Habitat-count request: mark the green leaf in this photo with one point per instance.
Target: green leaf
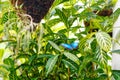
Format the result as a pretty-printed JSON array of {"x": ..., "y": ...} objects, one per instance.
[
  {"x": 63, "y": 17},
  {"x": 113, "y": 2},
  {"x": 48, "y": 28},
  {"x": 57, "y": 2},
  {"x": 34, "y": 78},
  {"x": 54, "y": 45},
  {"x": 9, "y": 61},
  {"x": 6, "y": 67},
  {"x": 116, "y": 51},
  {"x": 51, "y": 63},
  {"x": 23, "y": 55},
  {"x": 83, "y": 65},
  {"x": 7, "y": 16},
  {"x": 44, "y": 56},
  {"x": 1, "y": 54},
  {"x": 68, "y": 63},
  {"x": 72, "y": 57},
  {"x": 83, "y": 42},
  {"x": 33, "y": 57},
  {"x": 104, "y": 40},
  {"x": 116, "y": 74},
  {"x": 13, "y": 75},
  {"x": 2, "y": 41},
  {"x": 115, "y": 15},
  {"x": 53, "y": 22},
  {"x": 4, "y": 73}
]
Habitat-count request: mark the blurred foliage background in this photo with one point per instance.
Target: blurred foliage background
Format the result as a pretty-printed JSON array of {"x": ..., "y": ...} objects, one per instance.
[{"x": 29, "y": 53}]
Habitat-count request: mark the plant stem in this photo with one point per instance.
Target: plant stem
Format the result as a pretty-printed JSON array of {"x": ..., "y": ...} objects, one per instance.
[{"x": 68, "y": 73}]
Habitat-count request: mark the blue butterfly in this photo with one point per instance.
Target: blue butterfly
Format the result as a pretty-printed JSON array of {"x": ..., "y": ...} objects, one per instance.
[{"x": 71, "y": 46}]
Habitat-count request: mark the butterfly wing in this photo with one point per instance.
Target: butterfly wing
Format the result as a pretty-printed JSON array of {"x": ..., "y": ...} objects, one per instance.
[
  {"x": 67, "y": 46},
  {"x": 74, "y": 45}
]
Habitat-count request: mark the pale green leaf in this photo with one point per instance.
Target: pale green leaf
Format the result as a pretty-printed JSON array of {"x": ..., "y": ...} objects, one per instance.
[
  {"x": 53, "y": 22},
  {"x": 83, "y": 41},
  {"x": 51, "y": 63},
  {"x": 104, "y": 40},
  {"x": 116, "y": 51},
  {"x": 56, "y": 2},
  {"x": 72, "y": 57},
  {"x": 54, "y": 45}
]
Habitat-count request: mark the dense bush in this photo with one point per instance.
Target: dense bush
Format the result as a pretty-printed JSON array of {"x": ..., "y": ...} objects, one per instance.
[{"x": 48, "y": 52}]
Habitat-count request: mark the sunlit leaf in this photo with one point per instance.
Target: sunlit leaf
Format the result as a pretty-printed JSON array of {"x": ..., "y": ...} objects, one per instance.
[
  {"x": 103, "y": 40},
  {"x": 1, "y": 54},
  {"x": 53, "y": 22},
  {"x": 62, "y": 17},
  {"x": 57, "y": 2},
  {"x": 83, "y": 41}
]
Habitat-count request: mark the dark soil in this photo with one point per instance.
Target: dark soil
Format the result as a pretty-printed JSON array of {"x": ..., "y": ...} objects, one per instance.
[
  {"x": 104, "y": 12},
  {"x": 37, "y": 9}
]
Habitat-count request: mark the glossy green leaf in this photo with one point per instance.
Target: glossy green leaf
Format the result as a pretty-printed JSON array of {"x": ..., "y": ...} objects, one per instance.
[
  {"x": 72, "y": 57},
  {"x": 51, "y": 63},
  {"x": 116, "y": 74},
  {"x": 69, "y": 64},
  {"x": 44, "y": 56}
]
